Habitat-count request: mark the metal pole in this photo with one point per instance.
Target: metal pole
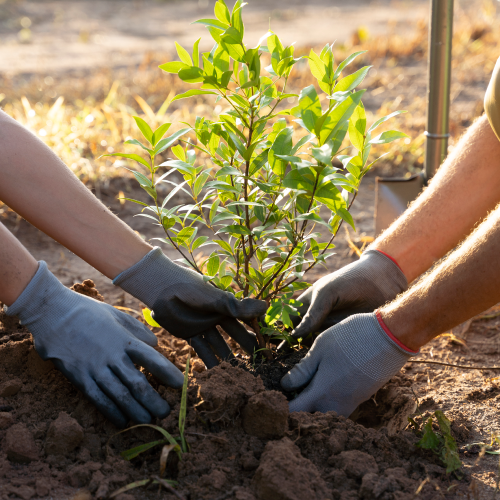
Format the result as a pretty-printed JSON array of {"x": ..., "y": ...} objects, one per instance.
[{"x": 438, "y": 104}]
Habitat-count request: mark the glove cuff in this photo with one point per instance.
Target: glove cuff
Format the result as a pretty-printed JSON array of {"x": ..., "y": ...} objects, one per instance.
[
  {"x": 42, "y": 292},
  {"x": 372, "y": 350},
  {"x": 391, "y": 335},
  {"x": 142, "y": 280},
  {"x": 386, "y": 273}
]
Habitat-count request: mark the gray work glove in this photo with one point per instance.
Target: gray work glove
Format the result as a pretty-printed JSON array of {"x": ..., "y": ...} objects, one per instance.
[
  {"x": 95, "y": 346},
  {"x": 360, "y": 287},
  {"x": 346, "y": 365},
  {"x": 190, "y": 308}
]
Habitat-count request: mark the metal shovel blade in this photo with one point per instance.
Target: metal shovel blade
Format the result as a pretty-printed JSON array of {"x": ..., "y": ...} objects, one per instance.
[{"x": 392, "y": 197}]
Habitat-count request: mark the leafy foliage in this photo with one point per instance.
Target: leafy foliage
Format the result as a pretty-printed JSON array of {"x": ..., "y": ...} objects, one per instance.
[
  {"x": 270, "y": 168},
  {"x": 442, "y": 443}
]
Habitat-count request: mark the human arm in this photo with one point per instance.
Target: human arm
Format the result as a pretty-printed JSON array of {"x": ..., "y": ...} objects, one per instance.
[
  {"x": 465, "y": 189},
  {"x": 93, "y": 344},
  {"x": 37, "y": 185},
  {"x": 350, "y": 361}
]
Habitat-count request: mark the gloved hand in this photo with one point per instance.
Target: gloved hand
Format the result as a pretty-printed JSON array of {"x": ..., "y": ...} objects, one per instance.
[
  {"x": 360, "y": 287},
  {"x": 95, "y": 346},
  {"x": 190, "y": 308},
  {"x": 346, "y": 365}
]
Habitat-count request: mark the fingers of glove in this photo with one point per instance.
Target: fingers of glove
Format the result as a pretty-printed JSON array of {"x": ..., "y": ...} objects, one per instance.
[
  {"x": 137, "y": 329},
  {"x": 307, "y": 400},
  {"x": 221, "y": 302},
  {"x": 218, "y": 343},
  {"x": 204, "y": 351},
  {"x": 141, "y": 390},
  {"x": 247, "y": 340},
  {"x": 94, "y": 394},
  {"x": 157, "y": 364},
  {"x": 302, "y": 373},
  {"x": 112, "y": 386},
  {"x": 313, "y": 319}
]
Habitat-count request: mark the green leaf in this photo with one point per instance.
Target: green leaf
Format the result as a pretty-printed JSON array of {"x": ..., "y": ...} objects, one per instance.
[
  {"x": 339, "y": 115},
  {"x": 430, "y": 440},
  {"x": 173, "y": 67},
  {"x": 303, "y": 179},
  {"x": 324, "y": 153},
  {"x": 135, "y": 201},
  {"x": 182, "y": 166},
  {"x": 179, "y": 152},
  {"x": 191, "y": 75},
  {"x": 198, "y": 242},
  {"x": 385, "y": 118},
  {"x": 137, "y": 158},
  {"x": 348, "y": 60},
  {"x": 135, "y": 142},
  {"x": 222, "y": 12},
  {"x": 346, "y": 216},
  {"x": 160, "y": 132},
  {"x": 310, "y": 107},
  {"x": 282, "y": 145},
  {"x": 330, "y": 196},
  {"x": 213, "y": 264},
  {"x": 166, "y": 143},
  {"x": 183, "y": 54},
  {"x": 352, "y": 81},
  {"x": 236, "y": 19},
  {"x": 317, "y": 66},
  {"x": 386, "y": 137},
  {"x": 193, "y": 92},
  {"x": 214, "y": 23},
  {"x": 224, "y": 245},
  {"x": 144, "y": 128},
  {"x": 134, "y": 452},
  {"x": 234, "y": 229},
  {"x": 184, "y": 235},
  {"x": 449, "y": 453},
  {"x": 149, "y": 319},
  {"x": 196, "y": 53},
  {"x": 235, "y": 50},
  {"x": 357, "y": 127}
]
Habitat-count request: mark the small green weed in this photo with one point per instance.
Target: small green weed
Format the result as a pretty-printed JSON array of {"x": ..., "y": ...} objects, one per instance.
[
  {"x": 442, "y": 443},
  {"x": 177, "y": 444}
]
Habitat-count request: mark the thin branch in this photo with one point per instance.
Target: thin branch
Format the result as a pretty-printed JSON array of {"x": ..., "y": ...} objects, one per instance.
[{"x": 461, "y": 367}]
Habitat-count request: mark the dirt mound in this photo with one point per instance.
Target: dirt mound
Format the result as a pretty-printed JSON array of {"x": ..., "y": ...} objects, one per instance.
[{"x": 244, "y": 444}]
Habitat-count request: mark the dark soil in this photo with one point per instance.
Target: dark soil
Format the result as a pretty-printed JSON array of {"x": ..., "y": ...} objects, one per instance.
[{"x": 244, "y": 444}]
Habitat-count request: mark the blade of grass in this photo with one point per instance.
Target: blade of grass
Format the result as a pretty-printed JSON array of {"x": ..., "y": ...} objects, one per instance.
[
  {"x": 134, "y": 452},
  {"x": 183, "y": 410}
]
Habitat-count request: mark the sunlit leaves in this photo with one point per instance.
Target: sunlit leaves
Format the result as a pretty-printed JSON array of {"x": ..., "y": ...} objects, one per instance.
[{"x": 246, "y": 183}]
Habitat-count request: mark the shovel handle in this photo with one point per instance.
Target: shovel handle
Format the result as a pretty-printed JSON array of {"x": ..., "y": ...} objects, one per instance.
[{"x": 438, "y": 102}]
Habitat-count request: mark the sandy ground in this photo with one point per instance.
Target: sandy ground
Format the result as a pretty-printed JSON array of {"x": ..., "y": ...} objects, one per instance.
[{"x": 50, "y": 36}]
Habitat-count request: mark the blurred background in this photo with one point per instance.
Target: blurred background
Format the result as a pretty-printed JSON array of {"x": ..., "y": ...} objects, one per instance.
[{"x": 73, "y": 71}]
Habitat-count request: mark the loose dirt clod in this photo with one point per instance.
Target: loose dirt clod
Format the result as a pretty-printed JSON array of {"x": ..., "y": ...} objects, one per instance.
[
  {"x": 10, "y": 387},
  {"x": 6, "y": 420},
  {"x": 20, "y": 445},
  {"x": 284, "y": 474},
  {"x": 224, "y": 392},
  {"x": 63, "y": 436},
  {"x": 266, "y": 415},
  {"x": 87, "y": 287}
]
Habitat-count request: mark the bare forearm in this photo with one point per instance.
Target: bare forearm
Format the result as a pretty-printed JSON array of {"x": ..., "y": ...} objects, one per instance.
[
  {"x": 37, "y": 185},
  {"x": 465, "y": 284},
  {"x": 17, "y": 267},
  {"x": 465, "y": 189}
]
